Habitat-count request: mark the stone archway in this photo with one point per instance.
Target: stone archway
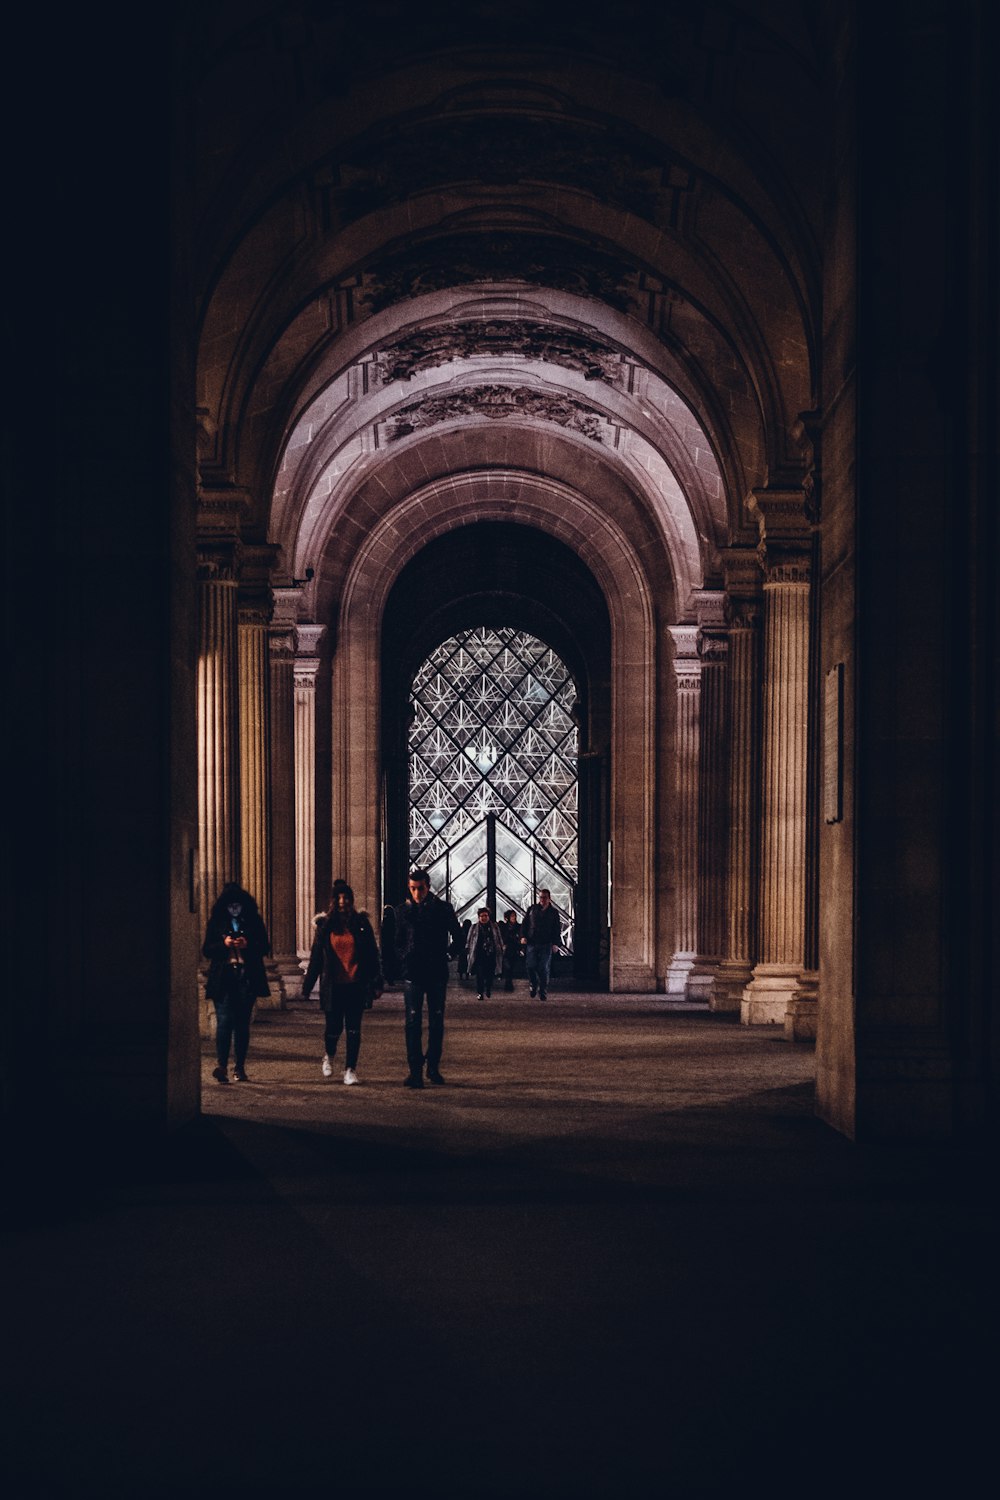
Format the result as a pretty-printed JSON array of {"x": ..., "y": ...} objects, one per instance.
[{"x": 423, "y": 515}]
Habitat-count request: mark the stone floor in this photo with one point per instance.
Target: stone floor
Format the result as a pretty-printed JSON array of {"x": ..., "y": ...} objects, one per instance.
[{"x": 617, "y": 1255}]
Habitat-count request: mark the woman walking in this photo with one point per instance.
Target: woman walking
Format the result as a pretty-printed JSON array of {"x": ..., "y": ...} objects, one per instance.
[
  {"x": 484, "y": 952},
  {"x": 345, "y": 959},
  {"x": 236, "y": 944}
]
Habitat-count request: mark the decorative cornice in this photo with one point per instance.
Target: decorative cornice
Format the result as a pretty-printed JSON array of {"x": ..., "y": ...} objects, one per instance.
[
  {"x": 710, "y": 608},
  {"x": 222, "y": 511},
  {"x": 788, "y": 570},
  {"x": 742, "y": 573}
]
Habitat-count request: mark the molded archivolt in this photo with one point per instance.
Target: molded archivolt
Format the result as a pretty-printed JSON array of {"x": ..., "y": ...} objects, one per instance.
[
  {"x": 606, "y": 549},
  {"x": 643, "y": 207}
]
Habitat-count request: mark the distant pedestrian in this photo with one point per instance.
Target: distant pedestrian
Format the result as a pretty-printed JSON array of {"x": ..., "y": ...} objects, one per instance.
[
  {"x": 236, "y": 944},
  {"x": 484, "y": 951},
  {"x": 427, "y": 933},
  {"x": 345, "y": 960},
  {"x": 510, "y": 931},
  {"x": 463, "y": 952},
  {"x": 540, "y": 934}
]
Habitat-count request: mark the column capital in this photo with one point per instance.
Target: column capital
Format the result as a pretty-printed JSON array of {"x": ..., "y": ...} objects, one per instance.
[
  {"x": 712, "y": 639},
  {"x": 307, "y": 638},
  {"x": 281, "y": 640},
  {"x": 786, "y": 534},
  {"x": 219, "y": 559},
  {"x": 744, "y": 614},
  {"x": 686, "y": 661}
]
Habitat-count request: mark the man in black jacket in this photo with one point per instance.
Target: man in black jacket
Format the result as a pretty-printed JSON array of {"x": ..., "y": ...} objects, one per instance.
[
  {"x": 541, "y": 933},
  {"x": 427, "y": 932}
]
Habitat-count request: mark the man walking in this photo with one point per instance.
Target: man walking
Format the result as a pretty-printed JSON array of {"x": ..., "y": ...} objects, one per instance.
[
  {"x": 427, "y": 930},
  {"x": 541, "y": 933}
]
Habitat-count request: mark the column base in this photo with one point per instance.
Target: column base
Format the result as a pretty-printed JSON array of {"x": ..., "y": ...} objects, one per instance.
[
  {"x": 800, "y": 1017},
  {"x": 678, "y": 974},
  {"x": 635, "y": 979},
  {"x": 285, "y": 974},
  {"x": 701, "y": 980},
  {"x": 731, "y": 979},
  {"x": 768, "y": 995}
]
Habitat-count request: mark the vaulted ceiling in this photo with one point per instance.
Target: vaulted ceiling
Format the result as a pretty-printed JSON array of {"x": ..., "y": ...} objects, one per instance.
[{"x": 582, "y": 246}]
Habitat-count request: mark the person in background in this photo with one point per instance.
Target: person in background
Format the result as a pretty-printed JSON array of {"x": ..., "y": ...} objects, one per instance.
[
  {"x": 387, "y": 946},
  {"x": 236, "y": 944},
  {"x": 463, "y": 954},
  {"x": 345, "y": 960},
  {"x": 510, "y": 931},
  {"x": 427, "y": 933},
  {"x": 540, "y": 934},
  {"x": 484, "y": 952}
]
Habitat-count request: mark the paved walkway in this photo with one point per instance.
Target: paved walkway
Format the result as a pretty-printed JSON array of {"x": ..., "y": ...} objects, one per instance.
[{"x": 616, "y": 1256}]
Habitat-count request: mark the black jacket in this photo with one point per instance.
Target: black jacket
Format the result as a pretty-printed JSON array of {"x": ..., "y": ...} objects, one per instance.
[
  {"x": 220, "y": 925},
  {"x": 324, "y": 967},
  {"x": 426, "y": 936},
  {"x": 541, "y": 925}
]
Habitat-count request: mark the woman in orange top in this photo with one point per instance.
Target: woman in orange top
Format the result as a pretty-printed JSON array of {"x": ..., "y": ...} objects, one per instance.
[{"x": 345, "y": 960}]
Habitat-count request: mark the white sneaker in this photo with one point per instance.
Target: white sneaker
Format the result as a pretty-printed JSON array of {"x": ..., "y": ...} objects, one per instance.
[
  {"x": 327, "y": 1067},
  {"x": 350, "y": 1076}
]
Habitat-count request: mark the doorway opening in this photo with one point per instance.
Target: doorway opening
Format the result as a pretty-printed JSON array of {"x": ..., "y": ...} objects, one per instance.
[{"x": 493, "y": 787}]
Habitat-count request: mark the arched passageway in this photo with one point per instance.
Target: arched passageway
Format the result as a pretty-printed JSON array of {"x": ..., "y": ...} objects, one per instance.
[{"x": 638, "y": 287}]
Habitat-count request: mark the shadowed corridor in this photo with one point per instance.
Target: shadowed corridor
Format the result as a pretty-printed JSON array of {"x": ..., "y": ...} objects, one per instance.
[{"x": 616, "y": 1254}]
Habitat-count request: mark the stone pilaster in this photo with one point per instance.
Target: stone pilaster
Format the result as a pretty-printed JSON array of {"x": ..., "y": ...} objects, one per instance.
[
  {"x": 306, "y": 667},
  {"x": 687, "y": 674},
  {"x": 786, "y": 554},
  {"x": 254, "y": 608},
  {"x": 713, "y": 758},
  {"x": 744, "y": 610},
  {"x": 285, "y": 963},
  {"x": 218, "y": 760}
]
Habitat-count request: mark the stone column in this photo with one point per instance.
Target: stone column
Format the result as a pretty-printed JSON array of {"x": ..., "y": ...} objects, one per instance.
[
  {"x": 306, "y": 666},
  {"x": 712, "y": 792},
  {"x": 285, "y": 962},
  {"x": 744, "y": 611},
  {"x": 255, "y": 748},
  {"x": 218, "y": 763},
  {"x": 687, "y": 673},
  {"x": 778, "y": 972}
]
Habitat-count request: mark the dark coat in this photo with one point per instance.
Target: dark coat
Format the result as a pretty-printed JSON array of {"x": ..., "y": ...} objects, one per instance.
[
  {"x": 541, "y": 925},
  {"x": 426, "y": 935},
  {"x": 220, "y": 925},
  {"x": 324, "y": 967}
]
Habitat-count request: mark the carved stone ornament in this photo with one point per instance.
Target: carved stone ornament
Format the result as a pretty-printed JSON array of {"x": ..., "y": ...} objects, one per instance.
[
  {"x": 431, "y": 347},
  {"x": 787, "y": 571},
  {"x": 498, "y": 402},
  {"x": 282, "y": 644},
  {"x": 744, "y": 614},
  {"x": 219, "y": 562},
  {"x": 435, "y": 264},
  {"x": 713, "y": 647}
]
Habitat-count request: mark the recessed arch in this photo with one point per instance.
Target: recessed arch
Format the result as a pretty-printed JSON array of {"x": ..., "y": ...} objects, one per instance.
[{"x": 607, "y": 551}]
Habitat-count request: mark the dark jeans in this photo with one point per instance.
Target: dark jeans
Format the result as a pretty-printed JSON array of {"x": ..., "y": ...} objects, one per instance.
[
  {"x": 415, "y": 991},
  {"x": 483, "y": 971},
  {"x": 347, "y": 1002},
  {"x": 232, "y": 1027},
  {"x": 538, "y": 962}
]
